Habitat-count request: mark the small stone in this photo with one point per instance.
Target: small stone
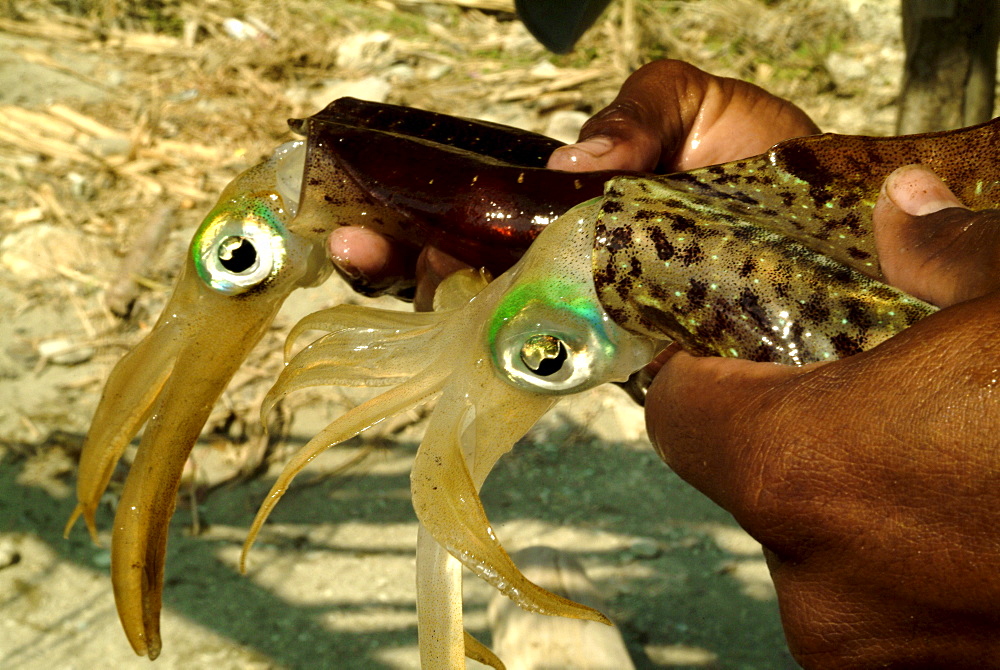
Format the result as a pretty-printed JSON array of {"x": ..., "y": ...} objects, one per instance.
[
  {"x": 673, "y": 655},
  {"x": 241, "y": 30},
  {"x": 565, "y": 125},
  {"x": 518, "y": 41},
  {"x": 368, "y": 50},
  {"x": 763, "y": 73},
  {"x": 101, "y": 559},
  {"x": 64, "y": 352},
  {"x": 25, "y": 216},
  {"x": 544, "y": 70},
  {"x": 401, "y": 73},
  {"x": 437, "y": 71},
  {"x": 109, "y": 146},
  {"x": 80, "y": 186},
  {"x": 846, "y": 70},
  {"x": 510, "y": 115},
  {"x": 116, "y": 78},
  {"x": 372, "y": 89},
  {"x": 9, "y": 555}
]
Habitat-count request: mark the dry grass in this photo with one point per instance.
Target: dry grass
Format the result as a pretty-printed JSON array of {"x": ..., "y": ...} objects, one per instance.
[{"x": 187, "y": 105}]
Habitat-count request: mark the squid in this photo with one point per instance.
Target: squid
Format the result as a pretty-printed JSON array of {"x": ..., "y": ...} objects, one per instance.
[{"x": 768, "y": 258}]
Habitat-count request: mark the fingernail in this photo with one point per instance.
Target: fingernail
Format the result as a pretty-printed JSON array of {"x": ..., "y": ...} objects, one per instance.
[
  {"x": 596, "y": 146},
  {"x": 571, "y": 156},
  {"x": 338, "y": 247},
  {"x": 918, "y": 191}
]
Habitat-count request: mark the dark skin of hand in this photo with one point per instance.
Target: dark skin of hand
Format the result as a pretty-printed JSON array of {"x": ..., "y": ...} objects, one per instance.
[{"x": 872, "y": 482}]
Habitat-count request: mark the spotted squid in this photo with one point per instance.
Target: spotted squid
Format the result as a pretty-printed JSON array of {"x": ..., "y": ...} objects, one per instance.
[{"x": 769, "y": 258}]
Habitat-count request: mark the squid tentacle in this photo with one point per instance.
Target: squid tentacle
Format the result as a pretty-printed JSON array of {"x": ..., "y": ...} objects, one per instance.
[
  {"x": 356, "y": 317},
  {"x": 355, "y": 357},
  {"x": 447, "y": 503},
  {"x": 420, "y": 389},
  {"x": 114, "y": 436},
  {"x": 480, "y": 415}
]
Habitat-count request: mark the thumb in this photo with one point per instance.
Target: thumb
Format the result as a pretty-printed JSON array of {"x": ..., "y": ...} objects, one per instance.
[
  {"x": 930, "y": 245},
  {"x": 616, "y": 138},
  {"x": 647, "y": 125}
]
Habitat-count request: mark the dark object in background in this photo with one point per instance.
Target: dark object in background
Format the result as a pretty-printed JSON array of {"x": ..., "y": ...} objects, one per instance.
[
  {"x": 558, "y": 24},
  {"x": 951, "y": 64}
]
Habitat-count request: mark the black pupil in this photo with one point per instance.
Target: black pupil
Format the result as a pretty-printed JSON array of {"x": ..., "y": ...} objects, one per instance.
[
  {"x": 550, "y": 366},
  {"x": 237, "y": 254}
]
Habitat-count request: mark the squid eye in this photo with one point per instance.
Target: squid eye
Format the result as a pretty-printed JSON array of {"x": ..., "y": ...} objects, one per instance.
[
  {"x": 547, "y": 350},
  {"x": 544, "y": 354},
  {"x": 236, "y": 254}
]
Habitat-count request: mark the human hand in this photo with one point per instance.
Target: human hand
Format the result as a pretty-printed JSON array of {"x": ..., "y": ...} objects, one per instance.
[
  {"x": 872, "y": 482},
  {"x": 671, "y": 116},
  {"x": 668, "y": 116},
  {"x": 363, "y": 253}
]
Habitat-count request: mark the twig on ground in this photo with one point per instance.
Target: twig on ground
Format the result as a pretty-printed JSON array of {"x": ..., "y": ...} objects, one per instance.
[{"x": 121, "y": 295}]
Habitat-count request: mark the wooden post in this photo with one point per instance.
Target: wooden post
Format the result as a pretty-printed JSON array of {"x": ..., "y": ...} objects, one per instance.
[{"x": 950, "y": 71}]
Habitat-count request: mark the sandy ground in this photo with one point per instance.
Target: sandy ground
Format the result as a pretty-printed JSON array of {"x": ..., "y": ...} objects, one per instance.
[{"x": 331, "y": 578}]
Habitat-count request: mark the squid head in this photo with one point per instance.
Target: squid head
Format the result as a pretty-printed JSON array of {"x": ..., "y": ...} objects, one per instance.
[
  {"x": 241, "y": 265},
  {"x": 497, "y": 363}
]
